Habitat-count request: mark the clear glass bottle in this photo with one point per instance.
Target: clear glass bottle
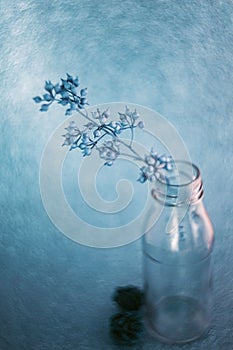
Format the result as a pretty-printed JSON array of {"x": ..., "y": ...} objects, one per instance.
[{"x": 177, "y": 258}]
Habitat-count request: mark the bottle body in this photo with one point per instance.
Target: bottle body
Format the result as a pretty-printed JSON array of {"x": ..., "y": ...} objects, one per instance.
[{"x": 177, "y": 270}]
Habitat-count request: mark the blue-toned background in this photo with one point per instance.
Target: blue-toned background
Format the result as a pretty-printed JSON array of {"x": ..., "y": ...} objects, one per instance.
[{"x": 173, "y": 56}]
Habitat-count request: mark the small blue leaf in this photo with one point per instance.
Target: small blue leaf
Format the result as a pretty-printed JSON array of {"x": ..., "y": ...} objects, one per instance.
[
  {"x": 89, "y": 125},
  {"x": 37, "y": 99},
  {"x": 140, "y": 125},
  {"x": 83, "y": 92},
  {"x": 118, "y": 131},
  {"x": 68, "y": 111},
  {"x": 76, "y": 99},
  {"x": 57, "y": 88},
  {"x": 86, "y": 152},
  {"x": 48, "y": 86},
  {"x": 73, "y": 90},
  {"x": 63, "y": 102},
  {"x": 124, "y": 123},
  {"x": 72, "y": 106},
  {"x": 96, "y": 133},
  {"x": 64, "y": 94},
  {"x": 82, "y": 146},
  {"x": 44, "y": 108},
  {"x": 142, "y": 178},
  {"x": 73, "y": 146},
  {"x": 83, "y": 101},
  {"x": 76, "y": 82},
  {"x": 69, "y": 78},
  {"x": 47, "y": 97},
  {"x": 66, "y": 84},
  {"x": 108, "y": 163}
]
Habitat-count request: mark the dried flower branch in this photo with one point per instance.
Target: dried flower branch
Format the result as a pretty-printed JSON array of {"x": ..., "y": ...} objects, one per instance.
[{"x": 101, "y": 133}]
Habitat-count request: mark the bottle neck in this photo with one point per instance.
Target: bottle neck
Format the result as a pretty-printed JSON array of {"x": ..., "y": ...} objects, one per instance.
[{"x": 180, "y": 186}]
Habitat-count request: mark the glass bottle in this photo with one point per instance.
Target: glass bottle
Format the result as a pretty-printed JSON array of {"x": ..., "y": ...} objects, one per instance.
[{"x": 177, "y": 258}]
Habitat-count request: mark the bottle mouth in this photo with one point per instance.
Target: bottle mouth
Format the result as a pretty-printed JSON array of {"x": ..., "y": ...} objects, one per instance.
[{"x": 179, "y": 186}]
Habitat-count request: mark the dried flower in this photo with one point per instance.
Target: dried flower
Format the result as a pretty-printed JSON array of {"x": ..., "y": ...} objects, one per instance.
[
  {"x": 100, "y": 132},
  {"x": 126, "y": 328},
  {"x": 129, "y": 298}
]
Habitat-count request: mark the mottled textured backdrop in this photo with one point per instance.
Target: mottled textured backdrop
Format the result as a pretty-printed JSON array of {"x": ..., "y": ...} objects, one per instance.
[{"x": 173, "y": 56}]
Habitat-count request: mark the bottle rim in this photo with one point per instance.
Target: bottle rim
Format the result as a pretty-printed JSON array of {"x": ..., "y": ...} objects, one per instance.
[
  {"x": 177, "y": 194},
  {"x": 195, "y": 177}
]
